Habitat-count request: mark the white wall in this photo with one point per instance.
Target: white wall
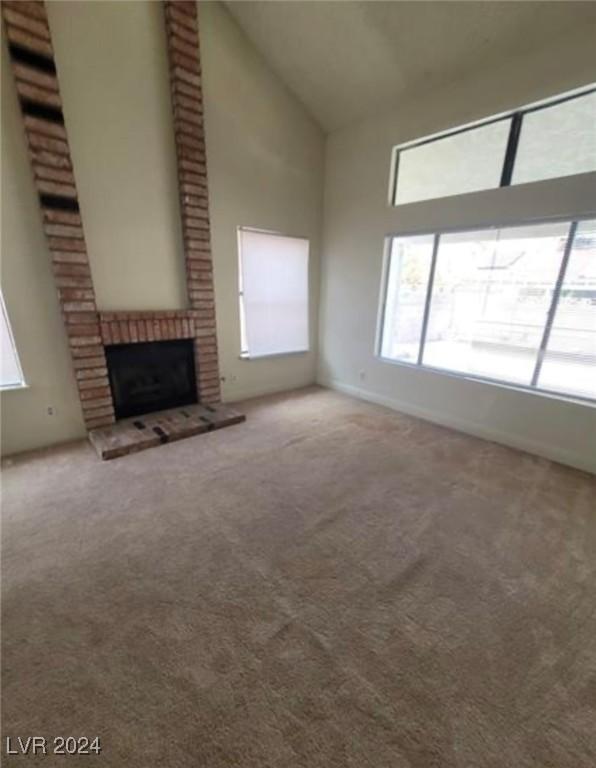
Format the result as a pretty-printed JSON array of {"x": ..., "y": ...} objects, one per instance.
[
  {"x": 357, "y": 218},
  {"x": 114, "y": 81},
  {"x": 265, "y": 160}
]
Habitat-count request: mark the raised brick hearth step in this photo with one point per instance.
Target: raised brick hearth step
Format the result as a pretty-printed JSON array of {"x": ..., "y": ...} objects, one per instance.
[{"x": 140, "y": 432}]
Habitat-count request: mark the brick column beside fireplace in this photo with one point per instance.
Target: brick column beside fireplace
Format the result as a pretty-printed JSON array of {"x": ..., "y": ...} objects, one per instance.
[
  {"x": 32, "y": 56},
  {"x": 187, "y": 105},
  {"x": 88, "y": 330}
]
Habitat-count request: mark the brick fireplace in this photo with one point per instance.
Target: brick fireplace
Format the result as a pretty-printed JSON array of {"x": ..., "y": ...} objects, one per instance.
[{"x": 90, "y": 330}]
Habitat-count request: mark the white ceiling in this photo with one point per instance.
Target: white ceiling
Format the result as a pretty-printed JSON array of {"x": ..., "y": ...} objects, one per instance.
[{"x": 347, "y": 60}]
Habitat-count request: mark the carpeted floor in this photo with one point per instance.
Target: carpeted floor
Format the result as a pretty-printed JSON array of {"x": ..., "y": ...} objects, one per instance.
[{"x": 329, "y": 585}]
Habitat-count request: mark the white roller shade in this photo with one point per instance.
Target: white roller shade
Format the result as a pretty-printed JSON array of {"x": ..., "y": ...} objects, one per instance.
[{"x": 273, "y": 293}]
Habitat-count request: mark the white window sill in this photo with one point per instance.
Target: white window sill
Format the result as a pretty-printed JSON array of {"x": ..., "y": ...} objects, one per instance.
[
  {"x": 13, "y": 387},
  {"x": 548, "y": 393},
  {"x": 247, "y": 356}
]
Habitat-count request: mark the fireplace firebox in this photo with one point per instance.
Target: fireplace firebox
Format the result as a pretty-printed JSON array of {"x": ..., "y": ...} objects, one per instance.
[{"x": 151, "y": 376}]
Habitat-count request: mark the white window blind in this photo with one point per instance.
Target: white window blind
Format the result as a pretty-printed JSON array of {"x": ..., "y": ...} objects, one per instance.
[
  {"x": 10, "y": 368},
  {"x": 273, "y": 293}
]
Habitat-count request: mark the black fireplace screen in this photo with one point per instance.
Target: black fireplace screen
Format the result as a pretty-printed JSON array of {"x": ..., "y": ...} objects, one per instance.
[{"x": 151, "y": 376}]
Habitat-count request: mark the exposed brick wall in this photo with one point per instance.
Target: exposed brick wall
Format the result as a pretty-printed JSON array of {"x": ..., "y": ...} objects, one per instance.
[
  {"x": 187, "y": 105},
  {"x": 32, "y": 56},
  {"x": 88, "y": 330}
]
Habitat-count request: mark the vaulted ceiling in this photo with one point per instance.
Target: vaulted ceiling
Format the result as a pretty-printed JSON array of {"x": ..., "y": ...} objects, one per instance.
[{"x": 347, "y": 60}]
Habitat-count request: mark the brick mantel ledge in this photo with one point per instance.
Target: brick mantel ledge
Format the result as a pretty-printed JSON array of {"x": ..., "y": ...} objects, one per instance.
[
  {"x": 168, "y": 325},
  {"x": 158, "y": 325}
]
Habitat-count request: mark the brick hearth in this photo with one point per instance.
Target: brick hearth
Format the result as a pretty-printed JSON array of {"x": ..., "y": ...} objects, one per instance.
[{"x": 140, "y": 432}]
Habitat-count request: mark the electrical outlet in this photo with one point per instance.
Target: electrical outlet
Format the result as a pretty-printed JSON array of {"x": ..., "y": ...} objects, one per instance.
[
  {"x": 362, "y": 374},
  {"x": 50, "y": 410}
]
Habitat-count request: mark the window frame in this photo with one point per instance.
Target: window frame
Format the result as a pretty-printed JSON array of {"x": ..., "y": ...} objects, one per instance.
[
  {"x": 515, "y": 116},
  {"x": 21, "y": 384},
  {"x": 532, "y": 388},
  {"x": 244, "y": 351}
]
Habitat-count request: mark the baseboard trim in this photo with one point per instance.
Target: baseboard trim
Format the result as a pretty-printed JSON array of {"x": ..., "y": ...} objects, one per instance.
[
  {"x": 248, "y": 393},
  {"x": 519, "y": 442}
]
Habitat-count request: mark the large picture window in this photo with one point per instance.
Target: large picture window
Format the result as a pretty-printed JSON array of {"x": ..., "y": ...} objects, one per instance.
[
  {"x": 515, "y": 305},
  {"x": 543, "y": 141},
  {"x": 273, "y": 293}
]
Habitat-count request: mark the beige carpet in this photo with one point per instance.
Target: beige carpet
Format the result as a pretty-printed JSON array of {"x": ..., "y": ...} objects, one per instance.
[{"x": 329, "y": 585}]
